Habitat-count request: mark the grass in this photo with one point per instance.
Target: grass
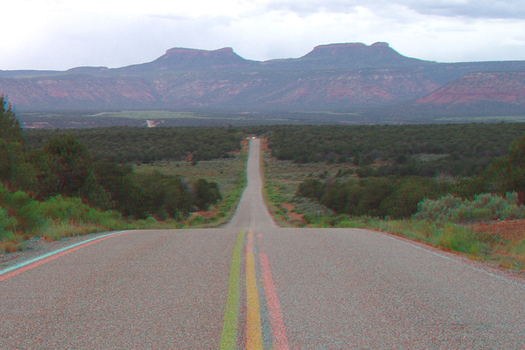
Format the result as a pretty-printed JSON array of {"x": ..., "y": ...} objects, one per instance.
[
  {"x": 65, "y": 229},
  {"x": 484, "y": 119},
  {"x": 159, "y": 115},
  {"x": 330, "y": 113},
  {"x": 229, "y": 174},
  {"x": 56, "y": 230},
  {"x": 147, "y": 115},
  {"x": 281, "y": 179},
  {"x": 12, "y": 242},
  {"x": 427, "y": 157},
  {"x": 274, "y": 197},
  {"x": 236, "y": 119},
  {"x": 163, "y": 117},
  {"x": 222, "y": 171}
]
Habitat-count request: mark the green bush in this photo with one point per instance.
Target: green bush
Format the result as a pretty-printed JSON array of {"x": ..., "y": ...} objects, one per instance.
[
  {"x": 205, "y": 194},
  {"x": 7, "y": 223},
  {"x": 374, "y": 196},
  {"x": 22, "y": 208},
  {"x": 483, "y": 207},
  {"x": 65, "y": 209},
  {"x": 62, "y": 209},
  {"x": 198, "y": 220},
  {"x": 158, "y": 195}
]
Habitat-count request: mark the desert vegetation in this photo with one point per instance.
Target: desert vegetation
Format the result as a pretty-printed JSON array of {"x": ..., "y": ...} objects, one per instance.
[
  {"x": 53, "y": 185},
  {"x": 415, "y": 181},
  {"x": 442, "y": 184},
  {"x": 147, "y": 145},
  {"x": 401, "y": 150},
  {"x": 229, "y": 173}
]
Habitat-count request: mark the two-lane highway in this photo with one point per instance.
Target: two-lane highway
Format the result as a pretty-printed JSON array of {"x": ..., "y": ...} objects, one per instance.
[{"x": 253, "y": 285}]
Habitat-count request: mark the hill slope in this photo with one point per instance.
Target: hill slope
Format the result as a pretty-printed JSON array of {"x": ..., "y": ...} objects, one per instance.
[{"x": 335, "y": 77}]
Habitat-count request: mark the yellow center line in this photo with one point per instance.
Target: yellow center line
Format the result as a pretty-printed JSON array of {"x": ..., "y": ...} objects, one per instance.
[
  {"x": 253, "y": 314},
  {"x": 231, "y": 315}
]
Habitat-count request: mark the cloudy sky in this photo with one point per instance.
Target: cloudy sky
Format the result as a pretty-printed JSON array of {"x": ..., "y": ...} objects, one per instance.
[{"x": 61, "y": 34}]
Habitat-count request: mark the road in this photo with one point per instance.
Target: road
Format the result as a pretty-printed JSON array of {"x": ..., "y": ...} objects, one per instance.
[{"x": 254, "y": 285}]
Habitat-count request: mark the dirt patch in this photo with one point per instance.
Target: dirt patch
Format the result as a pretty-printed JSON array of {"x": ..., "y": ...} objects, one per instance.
[
  {"x": 264, "y": 144},
  {"x": 206, "y": 214},
  {"x": 244, "y": 144},
  {"x": 292, "y": 215},
  {"x": 513, "y": 230}
]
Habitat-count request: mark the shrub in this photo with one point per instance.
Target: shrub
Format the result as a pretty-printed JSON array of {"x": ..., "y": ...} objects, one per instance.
[
  {"x": 7, "y": 223},
  {"x": 159, "y": 195},
  {"x": 65, "y": 209},
  {"x": 57, "y": 230},
  {"x": 22, "y": 208},
  {"x": 483, "y": 207},
  {"x": 374, "y": 196},
  {"x": 205, "y": 194},
  {"x": 196, "y": 220},
  {"x": 408, "y": 193}
]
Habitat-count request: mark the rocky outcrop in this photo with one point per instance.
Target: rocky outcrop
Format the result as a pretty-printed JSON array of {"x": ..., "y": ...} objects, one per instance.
[
  {"x": 504, "y": 87},
  {"x": 182, "y": 59},
  {"x": 70, "y": 92},
  {"x": 358, "y": 55}
]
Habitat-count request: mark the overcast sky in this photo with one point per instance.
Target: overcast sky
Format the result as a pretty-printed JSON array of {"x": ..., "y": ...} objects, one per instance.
[{"x": 62, "y": 34}]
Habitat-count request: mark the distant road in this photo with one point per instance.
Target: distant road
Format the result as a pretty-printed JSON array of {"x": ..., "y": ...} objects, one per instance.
[{"x": 253, "y": 285}]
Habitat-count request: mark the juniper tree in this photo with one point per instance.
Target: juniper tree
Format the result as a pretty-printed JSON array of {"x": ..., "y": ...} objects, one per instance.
[{"x": 10, "y": 129}]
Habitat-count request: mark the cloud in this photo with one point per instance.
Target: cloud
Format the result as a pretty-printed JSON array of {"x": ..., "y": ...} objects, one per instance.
[
  {"x": 495, "y": 9},
  {"x": 61, "y": 34},
  {"x": 492, "y": 9},
  {"x": 309, "y": 7}
]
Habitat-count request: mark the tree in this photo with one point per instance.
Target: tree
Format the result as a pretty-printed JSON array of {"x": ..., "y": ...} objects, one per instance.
[
  {"x": 72, "y": 164},
  {"x": 67, "y": 168},
  {"x": 15, "y": 170},
  {"x": 409, "y": 191},
  {"x": 376, "y": 189},
  {"x": 336, "y": 195},
  {"x": 205, "y": 194},
  {"x": 508, "y": 173},
  {"x": 10, "y": 129},
  {"x": 115, "y": 179}
]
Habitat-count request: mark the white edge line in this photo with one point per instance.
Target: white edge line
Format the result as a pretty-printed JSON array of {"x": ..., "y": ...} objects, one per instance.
[{"x": 28, "y": 262}]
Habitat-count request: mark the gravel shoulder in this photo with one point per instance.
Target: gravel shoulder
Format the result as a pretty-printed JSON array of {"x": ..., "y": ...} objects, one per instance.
[{"x": 38, "y": 246}]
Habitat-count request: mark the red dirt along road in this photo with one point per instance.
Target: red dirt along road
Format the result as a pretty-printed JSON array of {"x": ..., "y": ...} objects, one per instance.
[{"x": 253, "y": 285}]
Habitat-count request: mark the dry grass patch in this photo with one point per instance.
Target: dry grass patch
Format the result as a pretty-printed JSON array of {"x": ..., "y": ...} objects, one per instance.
[
  {"x": 12, "y": 247},
  {"x": 509, "y": 240},
  {"x": 228, "y": 173},
  {"x": 281, "y": 180}
]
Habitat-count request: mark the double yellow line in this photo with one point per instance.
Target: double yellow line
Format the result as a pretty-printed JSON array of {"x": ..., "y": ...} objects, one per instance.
[
  {"x": 253, "y": 316},
  {"x": 231, "y": 316}
]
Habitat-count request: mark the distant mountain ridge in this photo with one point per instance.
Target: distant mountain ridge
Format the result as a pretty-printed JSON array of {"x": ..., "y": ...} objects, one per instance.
[
  {"x": 358, "y": 55},
  {"x": 180, "y": 59},
  {"x": 333, "y": 77}
]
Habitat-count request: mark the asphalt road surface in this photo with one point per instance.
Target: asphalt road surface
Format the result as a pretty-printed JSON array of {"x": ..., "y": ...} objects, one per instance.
[{"x": 253, "y": 285}]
